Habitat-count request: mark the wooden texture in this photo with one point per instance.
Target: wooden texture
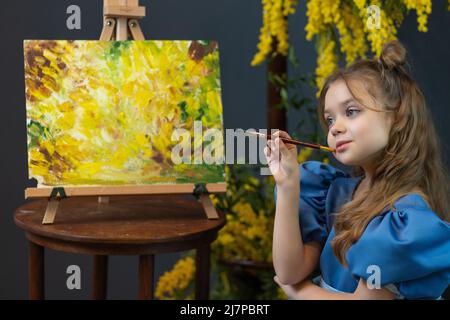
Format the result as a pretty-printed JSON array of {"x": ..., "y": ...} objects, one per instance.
[
  {"x": 100, "y": 277},
  {"x": 128, "y": 3},
  {"x": 146, "y": 271},
  {"x": 135, "y": 30},
  {"x": 36, "y": 271},
  {"x": 122, "y": 29},
  {"x": 202, "y": 274},
  {"x": 122, "y": 16},
  {"x": 208, "y": 206},
  {"x": 44, "y": 192},
  {"x": 127, "y": 225},
  {"x": 109, "y": 25},
  {"x": 122, "y": 11},
  {"x": 50, "y": 211}
]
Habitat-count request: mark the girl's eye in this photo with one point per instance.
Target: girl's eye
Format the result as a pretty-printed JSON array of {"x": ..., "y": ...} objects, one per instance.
[
  {"x": 351, "y": 112},
  {"x": 329, "y": 121}
]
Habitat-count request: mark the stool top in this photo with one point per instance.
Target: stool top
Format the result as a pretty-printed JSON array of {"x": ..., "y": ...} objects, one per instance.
[{"x": 156, "y": 219}]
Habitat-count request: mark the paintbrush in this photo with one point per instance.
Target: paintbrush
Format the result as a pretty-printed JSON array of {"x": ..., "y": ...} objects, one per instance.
[{"x": 292, "y": 141}]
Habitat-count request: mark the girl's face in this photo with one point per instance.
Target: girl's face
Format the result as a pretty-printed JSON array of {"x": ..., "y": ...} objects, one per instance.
[{"x": 365, "y": 131}]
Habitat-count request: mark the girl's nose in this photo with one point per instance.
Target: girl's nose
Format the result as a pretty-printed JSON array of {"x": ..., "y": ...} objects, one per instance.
[{"x": 338, "y": 127}]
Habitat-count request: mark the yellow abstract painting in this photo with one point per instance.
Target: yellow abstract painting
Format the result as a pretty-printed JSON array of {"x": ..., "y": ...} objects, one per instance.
[{"x": 105, "y": 112}]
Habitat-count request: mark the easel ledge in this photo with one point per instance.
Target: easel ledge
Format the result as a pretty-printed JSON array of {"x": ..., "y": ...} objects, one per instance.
[
  {"x": 186, "y": 188},
  {"x": 104, "y": 192}
]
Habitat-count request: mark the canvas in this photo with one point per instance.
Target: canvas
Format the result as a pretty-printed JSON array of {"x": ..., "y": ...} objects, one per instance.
[{"x": 104, "y": 112}]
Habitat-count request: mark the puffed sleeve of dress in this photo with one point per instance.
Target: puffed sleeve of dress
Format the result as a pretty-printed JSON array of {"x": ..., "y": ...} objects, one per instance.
[
  {"x": 410, "y": 247},
  {"x": 315, "y": 180}
]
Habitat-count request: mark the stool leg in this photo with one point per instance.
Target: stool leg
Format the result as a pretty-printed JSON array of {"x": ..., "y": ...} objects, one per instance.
[
  {"x": 36, "y": 271},
  {"x": 100, "y": 277},
  {"x": 202, "y": 263},
  {"x": 146, "y": 270}
]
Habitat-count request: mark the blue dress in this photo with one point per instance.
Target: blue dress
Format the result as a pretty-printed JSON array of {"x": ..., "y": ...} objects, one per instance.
[{"x": 411, "y": 245}]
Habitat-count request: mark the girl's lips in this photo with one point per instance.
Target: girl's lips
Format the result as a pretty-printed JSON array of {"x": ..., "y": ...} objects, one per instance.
[{"x": 342, "y": 147}]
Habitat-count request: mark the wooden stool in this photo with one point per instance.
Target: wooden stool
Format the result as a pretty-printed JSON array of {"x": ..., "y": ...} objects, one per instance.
[{"x": 127, "y": 225}]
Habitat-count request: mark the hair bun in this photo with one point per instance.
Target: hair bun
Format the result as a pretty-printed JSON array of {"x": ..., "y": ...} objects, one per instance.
[{"x": 393, "y": 54}]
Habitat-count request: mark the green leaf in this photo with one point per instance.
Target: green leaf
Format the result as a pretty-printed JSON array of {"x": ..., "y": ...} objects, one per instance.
[
  {"x": 184, "y": 115},
  {"x": 292, "y": 58},
  {"x": 284, "y": 94},
  {"x": 35, "y": 132}
]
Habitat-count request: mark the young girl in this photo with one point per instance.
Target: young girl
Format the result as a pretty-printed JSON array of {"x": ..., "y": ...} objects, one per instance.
[{"x": 380, "y": 232}]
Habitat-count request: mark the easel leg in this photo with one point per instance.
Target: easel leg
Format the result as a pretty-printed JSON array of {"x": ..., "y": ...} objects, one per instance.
[
  {"x": 108, "y": 28},
  {"x": 146, "y": 270},
  {"x": 208, "y": 206},
  {"x": 36, "y": 272},
  {"x": 100, "y": 278},
  {"x": 202, "y": 263},
  {"x": 50, "y": 212},
  {"x": 135, "y": 29},
  {"x": 122, "y": 29}
]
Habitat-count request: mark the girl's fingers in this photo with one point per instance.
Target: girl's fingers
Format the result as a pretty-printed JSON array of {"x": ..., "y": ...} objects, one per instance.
[
  {"x": 275, "y": 149},
  {"x": 278, "y": 148},
  {"x": 282, "y": 147},
  {"x": 290, "y": 146},
  {"x": 282, "y": 134},
  {"x": 270, "y": 146},
  {"x": 267, "y": 152}
]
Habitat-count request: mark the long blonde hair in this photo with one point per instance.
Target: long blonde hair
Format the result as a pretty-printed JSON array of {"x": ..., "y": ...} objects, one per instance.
[{"x": 410, "y": 163}]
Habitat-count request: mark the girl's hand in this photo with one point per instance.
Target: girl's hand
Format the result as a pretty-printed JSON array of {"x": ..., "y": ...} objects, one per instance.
[{"x": 282, "y": 160}]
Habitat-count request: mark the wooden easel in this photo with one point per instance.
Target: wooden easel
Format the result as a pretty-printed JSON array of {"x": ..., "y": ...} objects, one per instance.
[{"x": 120, "y": 19}]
